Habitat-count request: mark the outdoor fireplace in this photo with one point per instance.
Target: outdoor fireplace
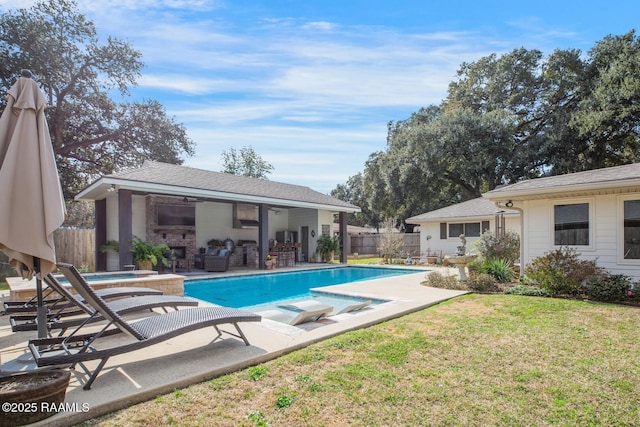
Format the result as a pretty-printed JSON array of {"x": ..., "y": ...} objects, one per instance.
[{"x": 180, "y": 251}]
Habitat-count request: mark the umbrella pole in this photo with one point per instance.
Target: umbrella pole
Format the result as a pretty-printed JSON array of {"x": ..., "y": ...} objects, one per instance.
[{"x": 42, "y": 310}]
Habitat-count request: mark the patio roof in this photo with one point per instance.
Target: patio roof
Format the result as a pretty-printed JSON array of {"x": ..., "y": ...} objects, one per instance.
[
  {"x": 170, "y": 179},
  {"x": 471, "y": 209}
]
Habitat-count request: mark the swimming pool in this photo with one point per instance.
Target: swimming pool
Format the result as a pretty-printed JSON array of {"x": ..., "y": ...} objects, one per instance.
[{"x": 255, "y": 289}]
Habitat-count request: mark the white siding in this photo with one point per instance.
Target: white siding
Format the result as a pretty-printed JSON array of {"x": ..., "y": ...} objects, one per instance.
[
  {"x": 215, "y": 221},
  {"x": 139, "y": 216},
  {"x": 537, "y": 229},
  {"x": 302, "y": 217},
  {"x": 113, "y": 258},
  {"x": 449, "y": 245},
  {"x": 606, "y": 225}
]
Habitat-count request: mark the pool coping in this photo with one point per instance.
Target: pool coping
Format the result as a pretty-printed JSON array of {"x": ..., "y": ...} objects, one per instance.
[{"x": 185, "y": 360}]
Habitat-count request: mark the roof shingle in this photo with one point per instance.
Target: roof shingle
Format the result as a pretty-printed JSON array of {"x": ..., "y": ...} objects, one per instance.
[
  {"x": 479, "y": 207},
  {"x": 615, "y": 175},
  {"x": 188, "y": 177}
]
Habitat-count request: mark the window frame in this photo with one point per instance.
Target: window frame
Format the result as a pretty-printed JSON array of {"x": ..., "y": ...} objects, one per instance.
[
  {"x": 620, "y": 231},
  {"x": 464, "y": 228},
  {"x": 590, "y": 202}
]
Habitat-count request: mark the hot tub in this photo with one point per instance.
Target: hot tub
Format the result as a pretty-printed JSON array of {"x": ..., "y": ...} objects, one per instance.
[{"x": 170, "y": 284}]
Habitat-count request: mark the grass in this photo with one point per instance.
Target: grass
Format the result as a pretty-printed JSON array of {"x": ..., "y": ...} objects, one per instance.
[
  {"x": 370, "y": 260},
  {"x": 4, "y": 286},
  {"x": 477, "y": 360}
]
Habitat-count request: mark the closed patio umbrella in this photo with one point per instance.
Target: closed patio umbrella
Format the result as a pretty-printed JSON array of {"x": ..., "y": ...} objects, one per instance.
[{"x": 31, "y": 202}]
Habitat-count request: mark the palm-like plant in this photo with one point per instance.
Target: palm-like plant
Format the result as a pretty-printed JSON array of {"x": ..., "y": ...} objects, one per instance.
[
  {"x": 328, "y": 247},
  {"x": 145, "y": 252}
]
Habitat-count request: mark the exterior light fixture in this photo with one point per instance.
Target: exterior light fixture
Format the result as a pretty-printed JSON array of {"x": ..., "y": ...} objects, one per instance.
[{"x": 509, "y": 204}]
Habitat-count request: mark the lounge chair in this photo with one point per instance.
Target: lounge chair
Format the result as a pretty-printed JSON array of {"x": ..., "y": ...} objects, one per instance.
[
  {"x": 353, "y": 307},
  {"x": 81, "y": 346},
  {"x": 60, "y": 319},
  {"x": 314, "y": 305},
  {"x": 305, "y": 315},
  {"x": 60, "y": 302}
]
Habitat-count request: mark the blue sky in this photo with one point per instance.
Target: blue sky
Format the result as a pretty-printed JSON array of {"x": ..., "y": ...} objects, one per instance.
[{"x": 311, "y": 85}]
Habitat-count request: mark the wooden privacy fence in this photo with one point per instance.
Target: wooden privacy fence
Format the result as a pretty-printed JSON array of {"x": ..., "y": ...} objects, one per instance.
[
  {"x": 76, "y": 246},
  {"x": 368, "y": 243}
]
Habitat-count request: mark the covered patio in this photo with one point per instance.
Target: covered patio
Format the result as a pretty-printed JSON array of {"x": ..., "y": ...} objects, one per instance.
[{"x": 192, "y": 209}]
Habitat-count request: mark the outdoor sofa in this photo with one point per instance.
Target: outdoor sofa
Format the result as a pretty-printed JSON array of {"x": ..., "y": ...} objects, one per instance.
[{"x": 217, "y": 260}]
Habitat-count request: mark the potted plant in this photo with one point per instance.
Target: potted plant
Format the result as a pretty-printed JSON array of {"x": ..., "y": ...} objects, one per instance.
[
  {"x": 328, "y": 247},
  {"x": 146, "y": 254},
  {"x": 268, "y": 263},
  {"x": 35, "y": 392},
  {"x": 111, "y": 245}
]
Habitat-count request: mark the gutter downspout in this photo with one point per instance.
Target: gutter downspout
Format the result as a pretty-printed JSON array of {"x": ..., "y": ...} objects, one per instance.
[{"x": 499, "y": 206}]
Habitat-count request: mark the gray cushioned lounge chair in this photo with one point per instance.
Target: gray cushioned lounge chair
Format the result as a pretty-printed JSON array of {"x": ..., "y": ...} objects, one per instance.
[
  {"x": 82, "y": 346},
  {"x": 81, "y": 313}
]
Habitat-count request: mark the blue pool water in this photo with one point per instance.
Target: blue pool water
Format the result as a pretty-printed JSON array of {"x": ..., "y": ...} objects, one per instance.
[
  {"x": 338, "y": 302},
  {"x": 255, "y": 289},
  {"x": 101, "y": 277}
]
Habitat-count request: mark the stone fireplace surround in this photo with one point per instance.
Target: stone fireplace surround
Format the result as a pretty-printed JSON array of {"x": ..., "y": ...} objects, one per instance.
[{"x": 177, "y": 236}]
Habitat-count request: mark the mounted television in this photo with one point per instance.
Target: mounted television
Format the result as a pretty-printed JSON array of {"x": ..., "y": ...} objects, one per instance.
[{"x": 176, "y": 215}]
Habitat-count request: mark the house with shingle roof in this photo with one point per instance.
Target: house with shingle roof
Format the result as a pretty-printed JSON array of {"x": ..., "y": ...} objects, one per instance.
[
  {"x": 440, "y": 229},
  {"x": 596, "y": 212},
  {"x": 186, "y": 208}
]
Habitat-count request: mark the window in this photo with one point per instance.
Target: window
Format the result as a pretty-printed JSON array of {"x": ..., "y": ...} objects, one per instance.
[
  {"x": 571, "y": 224},
  {"x": 632, "y": 229},
  {"x": 469, "y": 229}
]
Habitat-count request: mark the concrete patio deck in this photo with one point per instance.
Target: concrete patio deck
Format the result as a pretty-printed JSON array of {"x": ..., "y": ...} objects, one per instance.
[{"x": 195, "y": 357}]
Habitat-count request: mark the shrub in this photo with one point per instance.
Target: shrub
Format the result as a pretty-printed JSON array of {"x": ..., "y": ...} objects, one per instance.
[
  {"x": 438, "y": 280},
  {"x": 391, "y": 243},
  {"x": 561, "y": 272},
  {"x": 500, "y": 269},
  {"x": 505, "y": 247},
  {"x": 608, "y": 287},
  {"x": 482, "y": 282},
  {"x": 475, "y": 266},
  {"x": 533, "y": 291}
]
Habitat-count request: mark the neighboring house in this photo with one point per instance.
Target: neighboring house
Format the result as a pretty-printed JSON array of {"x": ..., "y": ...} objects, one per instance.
[
  {"x": 354, "y": 229},
  {"x": 186, "y": 207},
  {"x": 597, "y": 212},
  {"x": 440, "y": 230}
]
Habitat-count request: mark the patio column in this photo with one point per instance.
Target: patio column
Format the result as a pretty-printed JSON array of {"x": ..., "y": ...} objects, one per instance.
[
  {"x": 263, "y": 234},
  {"x": 344, "y": 237},
  {"x": 100, "y": 207},
  {"x": 125, "y": 227}
]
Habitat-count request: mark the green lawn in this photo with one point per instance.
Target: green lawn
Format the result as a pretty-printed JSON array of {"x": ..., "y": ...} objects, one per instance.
[
  {"x": 364, "y": 260},
  {"x": 4, "y": 286},
  {"x": 477, "y": 360}
]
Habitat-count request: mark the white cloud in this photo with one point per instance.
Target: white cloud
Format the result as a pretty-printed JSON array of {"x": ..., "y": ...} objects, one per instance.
[{"x": 311, "y": 96}]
